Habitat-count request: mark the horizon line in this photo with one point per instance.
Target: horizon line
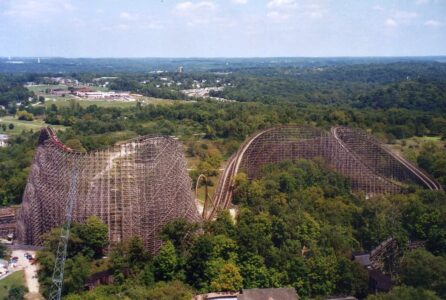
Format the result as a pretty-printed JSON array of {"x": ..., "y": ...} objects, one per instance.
[{"x": 221, "y": 57}]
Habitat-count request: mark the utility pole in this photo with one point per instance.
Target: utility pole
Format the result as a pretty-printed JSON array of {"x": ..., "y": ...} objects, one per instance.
[{"x": 61, "y": 255}]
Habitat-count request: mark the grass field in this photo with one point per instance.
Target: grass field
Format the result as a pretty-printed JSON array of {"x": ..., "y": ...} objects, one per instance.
[
  {"x": 202, "y": 190},
  {"x": 17, "y": 278},
  {"x": 411, "y": 147},
  {"x": 20, "y": 125},
  {"x": 66, "y": 102},
  {"x": 41, "y": 88}
]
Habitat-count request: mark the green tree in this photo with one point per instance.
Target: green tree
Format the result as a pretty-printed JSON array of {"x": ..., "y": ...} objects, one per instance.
[
  {"x": 181, "y": 233},
  {"x": 254, "y": 272},
  {"x": 166, "y": 262},
  {"x": 16, "y": 292},
  {"x": 2, "y": 251},
  {"x": 322, "y": 275},
  {"x": 24, "y": 115},
  {"x": 174, "y": 290},
  {"x": 228, "y": 279},
  {"x": 94, "y": 234},
  {"x": 11, "y": 126},
  {"x": 76, "y": 273},
  {"x": 421, "y": 269},
  {"x": 352, "y": 278},
  {"x": 406, "y": 293},
  {"x": 200, "y": 254},
  {"x": 297, "y": 271}
]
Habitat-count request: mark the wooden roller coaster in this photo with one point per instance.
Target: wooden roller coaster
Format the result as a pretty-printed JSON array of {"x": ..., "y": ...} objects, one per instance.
[
  {"x": 369, "y": 165},
  {"x": 135, "y": 187}
]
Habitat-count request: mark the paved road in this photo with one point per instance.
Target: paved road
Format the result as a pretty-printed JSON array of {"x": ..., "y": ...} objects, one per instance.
[{"x": 30, "y": 273}]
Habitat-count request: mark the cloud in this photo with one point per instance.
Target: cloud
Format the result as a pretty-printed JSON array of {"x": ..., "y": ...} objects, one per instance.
[
  {"x": 38, "y": 8},
  {"x": 378, "y": 8},
  {"x": 280, "y": 10},
  {"x": 400, "y": 17},
  {"x": 405, "y": 15},
  {"x": 391, "y": 23},
  {"x": 188, "y": 7},
  {"x": 151, "y": 25},
  {"x": 197, "y": 13},
  {"x": 283, "y": 10},
  {"x": 281, "y": 4},
  {"x": 239, "y": 1},
  {"x": 128, "y": 16},
  {"x": 433, "y": 23},
  {"x": 314, "y": 11},
  {"x": 277, "y": 16}
]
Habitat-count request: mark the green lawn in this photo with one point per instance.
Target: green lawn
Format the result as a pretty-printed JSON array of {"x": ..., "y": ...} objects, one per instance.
[
  {"x": 17, "y": 278},
  {"x": 20, "y": 125}
]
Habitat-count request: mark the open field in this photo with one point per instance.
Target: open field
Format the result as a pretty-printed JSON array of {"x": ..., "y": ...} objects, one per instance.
[
  {"x": 20, "y": 125},
  {"x": 17, "y": 278},
  {"x": 66, "y": 102},
  {"x": 41, "y": 88},
  {"x": 202, "y": 189},
  {"x": 411, "y": 147}
]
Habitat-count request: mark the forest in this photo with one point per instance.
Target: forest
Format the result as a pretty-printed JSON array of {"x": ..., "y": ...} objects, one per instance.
[{"x": 298, "y": 225}]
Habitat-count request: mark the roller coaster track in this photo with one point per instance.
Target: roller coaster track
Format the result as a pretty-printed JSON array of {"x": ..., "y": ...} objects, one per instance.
[
  {"x": 422, "y": 176},
  {"x": 223, "y": 194},
  {"x": 225, "y": 186}
]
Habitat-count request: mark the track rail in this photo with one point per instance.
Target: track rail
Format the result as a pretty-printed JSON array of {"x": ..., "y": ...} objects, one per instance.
[{"x": 225, "y": 186}]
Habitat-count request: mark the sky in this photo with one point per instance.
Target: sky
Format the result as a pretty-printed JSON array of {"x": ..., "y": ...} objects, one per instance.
[{"x": 217, "y": 28}]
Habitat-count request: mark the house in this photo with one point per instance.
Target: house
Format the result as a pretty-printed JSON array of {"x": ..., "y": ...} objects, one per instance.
[
  {"x": 252, "y": 294},
  {"x": 379, "y": 282},
  {"x": 7, "y": 222},
  {"x": 59, "y": 92},
  {"x": 373, "y": 262},
  {"x": 362, "y": 259}
]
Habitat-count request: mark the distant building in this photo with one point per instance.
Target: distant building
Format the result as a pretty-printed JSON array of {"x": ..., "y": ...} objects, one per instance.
[
  {"x": 363, "y": 259},
  {"x": 4, "y": 140},
  {"x": 104, "y": 95},
  {"x": 59, "y": 92},
  {"x": 8, "y": 221},
  {"x": 180, "y": 69},
  {"x": 252, "y": 294},
  {"x": 268, "y": 294}
]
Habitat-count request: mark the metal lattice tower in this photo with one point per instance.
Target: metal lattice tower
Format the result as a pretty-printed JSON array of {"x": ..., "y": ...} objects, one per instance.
[{"x": 61, "y": 255}]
